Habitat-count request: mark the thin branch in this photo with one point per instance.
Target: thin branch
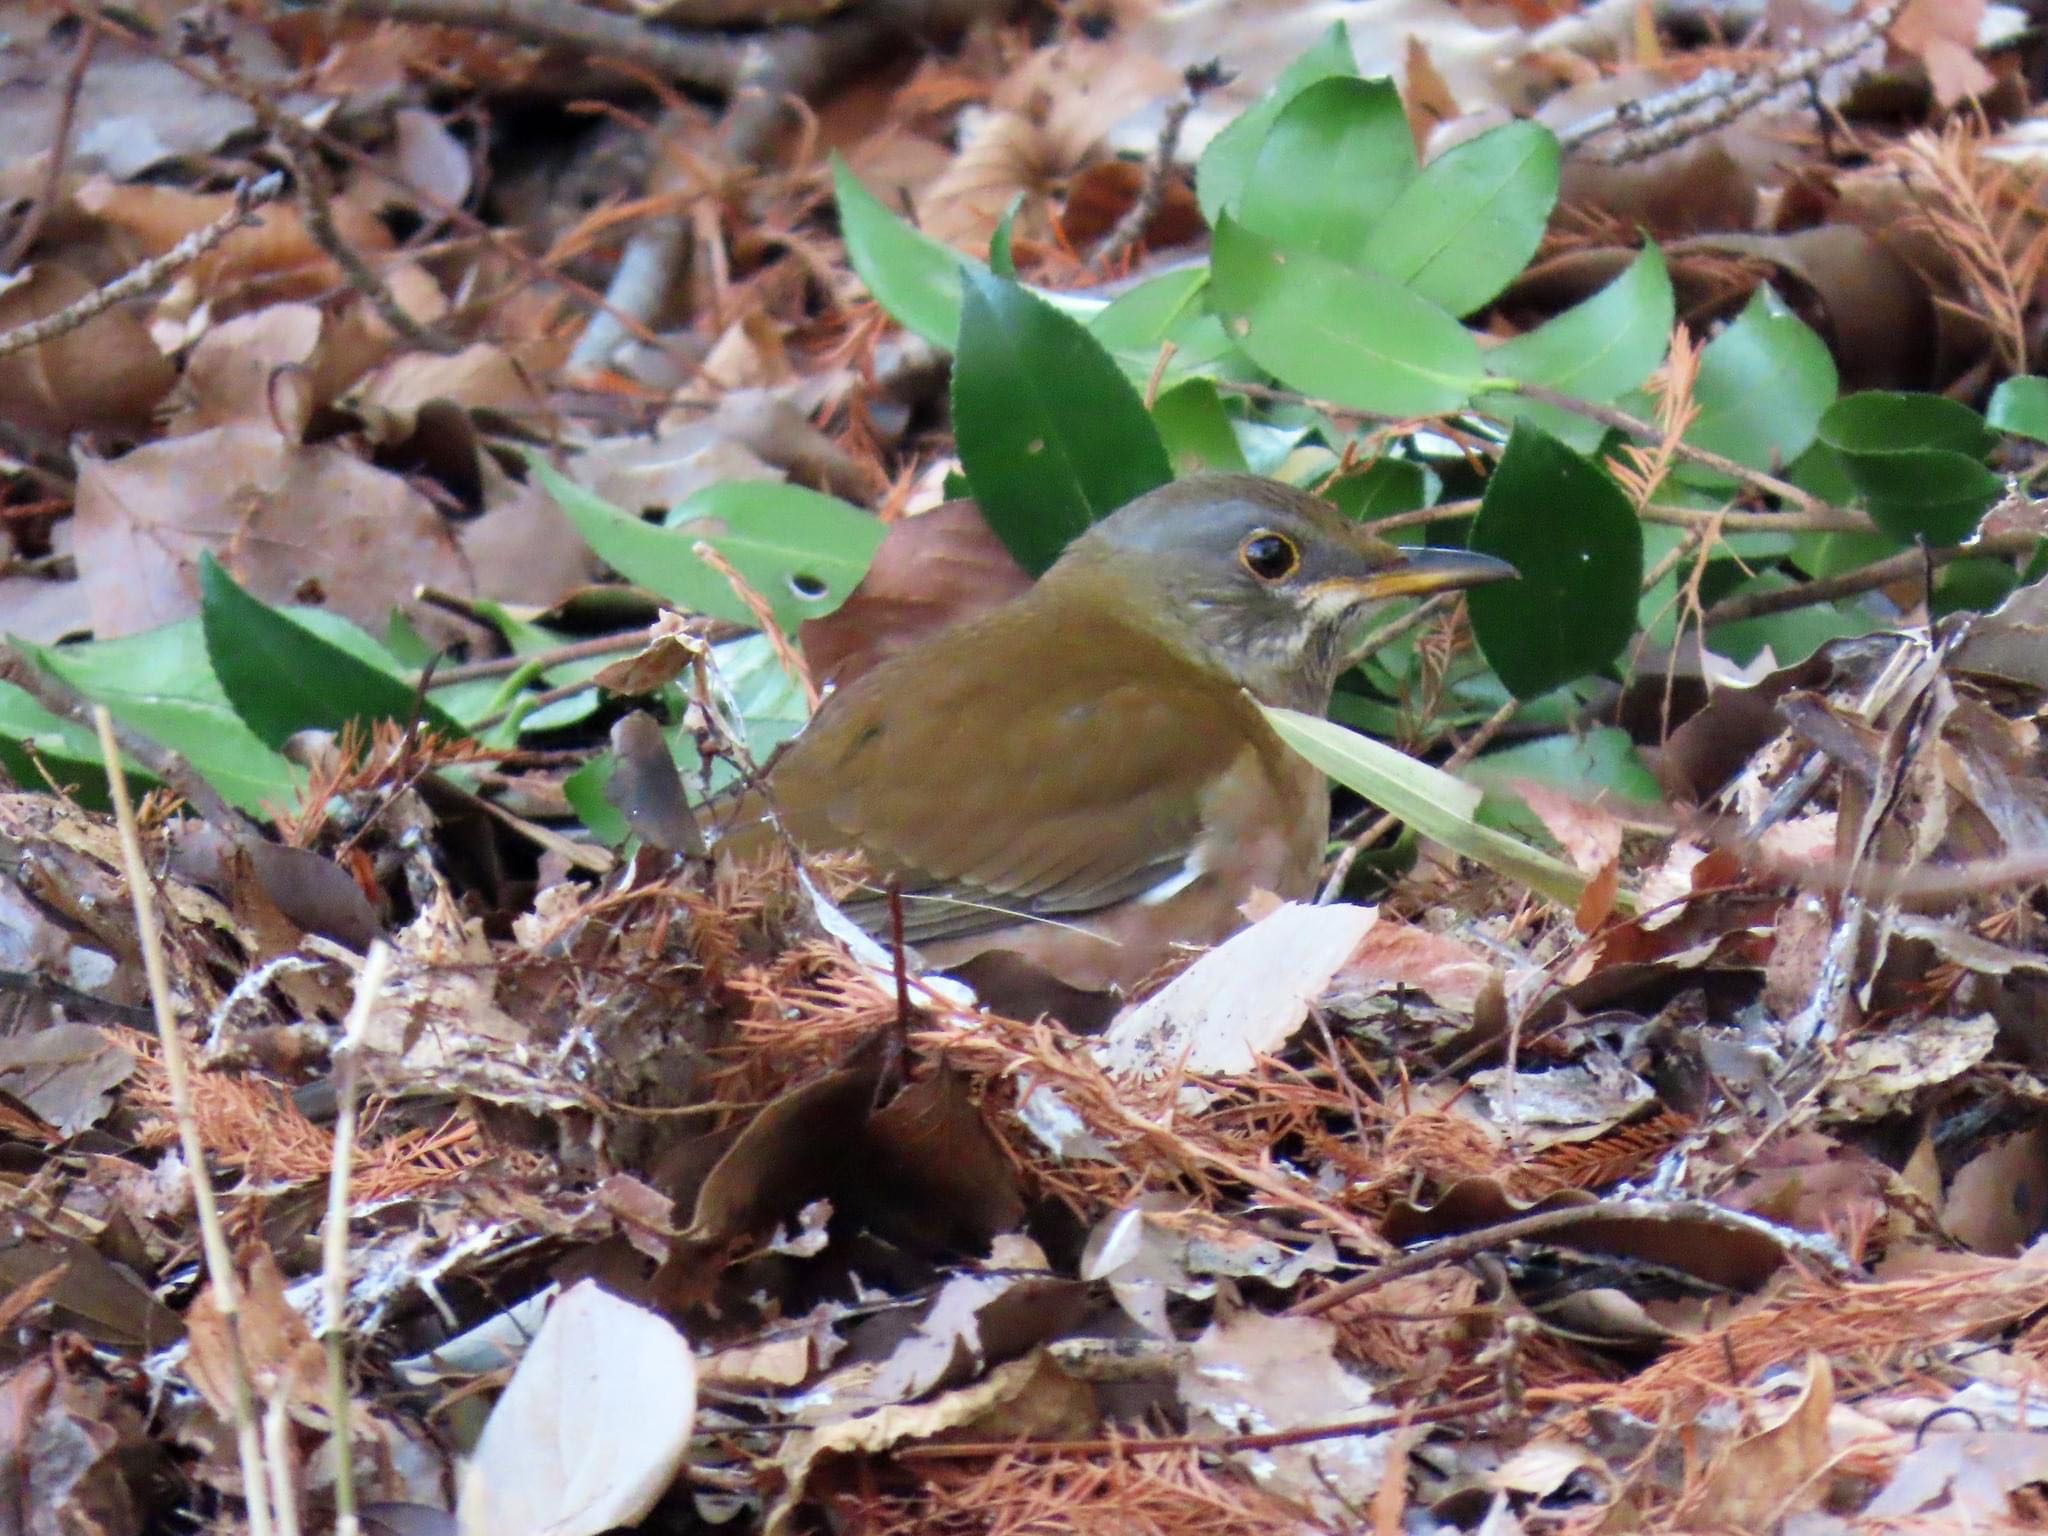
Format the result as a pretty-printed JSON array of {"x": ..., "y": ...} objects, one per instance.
[
  {"x": 139, "y": 280},
  {"x": 334, "y": 1237},
  {"x": 1714, "y": 101},
  {"x": 60, "y": 146},
  {"x": 1649, "y": 432},
  {"x": 711, "y": 62},
  {"x": 220, "y": 1264},
  {"x": 1867, "y": 578},
  {"x": 1125, "y": 234}
]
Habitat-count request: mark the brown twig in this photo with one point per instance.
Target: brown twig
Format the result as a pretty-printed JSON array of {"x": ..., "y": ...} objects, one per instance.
[
  {"x": 220, "y": 1265},
  {"x": 60, "y": 146},
  {"x": 1818, "y": 512},
  {"x": 1714, "y": 101},
  {"x": 140, "y": 279},
  {"x": 1867, "y": 578},
  {"x": 712, "y": 62},
  {"x": 1125, "y": 234}
]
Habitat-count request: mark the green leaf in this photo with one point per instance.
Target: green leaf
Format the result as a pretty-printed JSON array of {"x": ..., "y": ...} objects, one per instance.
[
  {"x": 1594, "y": 761},
  {"x": 2020, "y": 406},
  {"x": 1338, "y": 156},
  {"x": 1221, "y": 173},
  {"x": 1466, "y": 227},
  {"x": 1792, "y": 636},
  {"x": 283, "y": 678},
  {"x": 1574, "y": 537},
  {"x": 1594, "y": 351},
  {"x": 1916, "y": 460},
  {"x": 161, "y": 684},
  {"x": 802, "y": 552},
  {"x": 584, "y": 790},
  {"x": 912, "y": 276},
  {"x": 1428, "y": 799},
  {"x": 1196, "y": 430},
  {"x": 34, "y": 741},
  {"x": 1050, "y": 432},
  {"x": 1763, "y": 385},
  {"x": 1384, "y": 487},
  {"x": 1339, "y": 333},
  {"x": 1000, "y": 260}
]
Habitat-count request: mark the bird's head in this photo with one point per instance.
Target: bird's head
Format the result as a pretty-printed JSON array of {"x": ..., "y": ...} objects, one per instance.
[{"x": 1257, "y": 579}]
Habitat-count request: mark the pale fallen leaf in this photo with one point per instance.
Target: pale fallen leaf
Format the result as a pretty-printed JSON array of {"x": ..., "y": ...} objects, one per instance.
[
  {"x": 1240, "y": 1001},
  {"x": 593, "y": 1427}
]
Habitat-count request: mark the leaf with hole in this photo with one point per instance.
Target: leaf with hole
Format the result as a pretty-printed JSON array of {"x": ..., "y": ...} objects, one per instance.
[
  {"x": 1050, "y": 432},
  {"x": 802, "y": 552},
  {"x": 1560, "y": 521},
  {"x": 1332, "y": 331}
]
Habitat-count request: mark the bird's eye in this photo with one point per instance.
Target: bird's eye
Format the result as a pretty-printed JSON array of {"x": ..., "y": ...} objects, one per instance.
[{"x": 1269, "y": 556}]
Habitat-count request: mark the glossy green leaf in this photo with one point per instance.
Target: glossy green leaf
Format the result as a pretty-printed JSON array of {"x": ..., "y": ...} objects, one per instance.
[
  {"x": 1574, "y": 537},
  {"x": 1435, "y": 804},
  {"x": 1763, "y": 385},
  {"x": 1224, "y": 167},
  {"x": 1384, "y": 487},
  {"x": 1000, "y": 259},
  {"x": 2020, "y": 406},
  {"x": 1596, "y": 350},
  {"x": 1051, "y": 433},
  {"x": 282, "y": 678},
  {"x": 802, "y": 552},
  {"x": 1916, "y": 461},
  {"x": 912, "y": 276},
  {"x": 1465, "y": 228},
  {"x": 1196, "y": 430},
  {"x": 1339, "y": 333},
  {"x": 1337, "y": 157},
  {"x": 161, "y": 683}
]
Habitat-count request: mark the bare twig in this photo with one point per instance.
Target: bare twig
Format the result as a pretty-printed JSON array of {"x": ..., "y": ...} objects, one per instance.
[
  {"x": 60, "y": 146},
  {"x": 139, "y": 280},
  {"x": 1125, "y": 234},
  {"x": 1867, "y": 578},
  {"x": 334, "y": 1237},
  {"x": 711, "y": 62},
  {"x": 316, "y": 202},
  {"x": 1714, "y": 101},
  {"x": 220, "y": 1264},
  {"x": 1841, "y": 519}
]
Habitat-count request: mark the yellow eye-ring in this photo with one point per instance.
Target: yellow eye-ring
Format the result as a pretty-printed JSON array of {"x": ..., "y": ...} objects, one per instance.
[{"x": 1269, "y": 556}]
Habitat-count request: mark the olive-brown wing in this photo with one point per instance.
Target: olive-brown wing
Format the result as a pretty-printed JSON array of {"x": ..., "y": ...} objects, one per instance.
[{"x": 994, "y": 777}]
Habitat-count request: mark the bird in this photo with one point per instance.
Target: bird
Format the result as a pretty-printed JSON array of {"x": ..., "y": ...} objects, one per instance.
[{"x": 1081, "y": 780}]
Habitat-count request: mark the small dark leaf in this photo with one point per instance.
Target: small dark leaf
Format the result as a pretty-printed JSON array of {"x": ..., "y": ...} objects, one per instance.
[
  {"x": 1917, "y": 461},
  {"x": 1051, "y": 434},
  {"x": 1572, "y": 534},
  {"x": 646, "y": 789}
]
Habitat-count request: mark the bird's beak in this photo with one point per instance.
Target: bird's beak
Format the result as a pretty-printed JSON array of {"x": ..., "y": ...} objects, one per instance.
[{"x": 1420, "y": 572}]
